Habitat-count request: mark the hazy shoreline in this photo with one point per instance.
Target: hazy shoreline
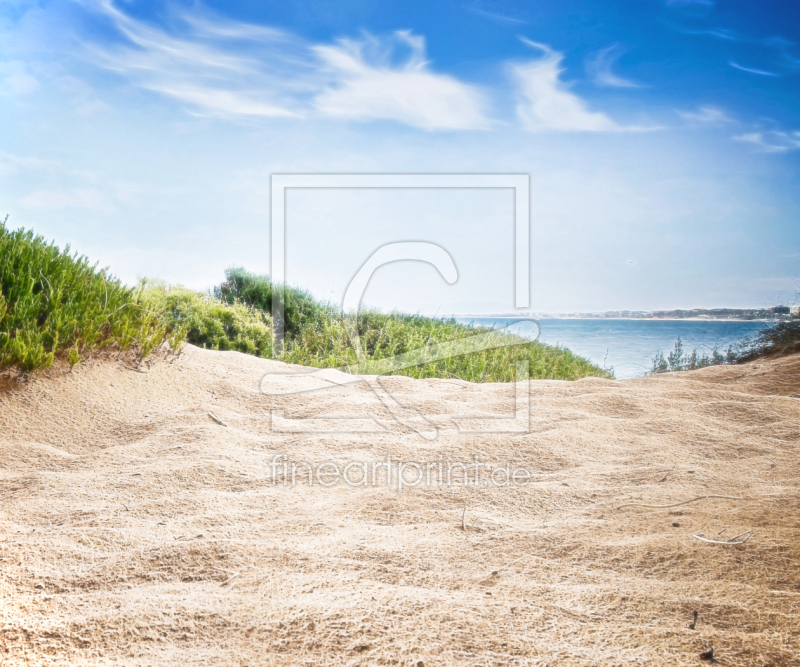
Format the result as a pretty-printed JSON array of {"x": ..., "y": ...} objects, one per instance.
[{"x": 636, "y": 319}]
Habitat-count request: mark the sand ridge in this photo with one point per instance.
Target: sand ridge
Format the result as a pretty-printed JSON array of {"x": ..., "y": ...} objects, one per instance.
[{"x": 136, "y": 527}]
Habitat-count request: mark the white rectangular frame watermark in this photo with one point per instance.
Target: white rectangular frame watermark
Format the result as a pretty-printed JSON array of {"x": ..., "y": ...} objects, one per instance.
[{"x": 520, "y": 183}]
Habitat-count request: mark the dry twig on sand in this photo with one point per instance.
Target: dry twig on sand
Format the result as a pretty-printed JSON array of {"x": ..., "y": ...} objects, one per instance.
[
  {"x": 685, "y": 502},
  {"x": 216, "y": 419},
  {"x": 748, "y": 533}
]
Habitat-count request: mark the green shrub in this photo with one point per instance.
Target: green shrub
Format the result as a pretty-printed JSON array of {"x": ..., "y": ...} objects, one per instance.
[
  {"x": 781, "y": 337},
  {"x": 317, "y": 335},
  {"x": 325, "y": 342},
  {"x": 678, "y": 361},
  {"x": 299, "y": 306},
  {"x": 236, "y": 317},
  {"x": 53, "y": 302},
  {"x": 210, "y": 323}
]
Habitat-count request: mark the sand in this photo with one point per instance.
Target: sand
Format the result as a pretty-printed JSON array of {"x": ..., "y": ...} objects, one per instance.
[{"x": 142, "y": 522}]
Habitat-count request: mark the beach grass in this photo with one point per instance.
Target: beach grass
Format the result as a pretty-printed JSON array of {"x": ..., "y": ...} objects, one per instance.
[
  {"x": 779, "y": 337},
  {"x": 55, "y": 303},
  {"x": 208, "y": 322},
  {"x": 386, "y": 336},
  {"x": 317, "y": 334}
]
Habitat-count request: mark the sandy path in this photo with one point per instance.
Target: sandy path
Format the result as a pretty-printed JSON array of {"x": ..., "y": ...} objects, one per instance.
[{"x": 135, "y": 528}]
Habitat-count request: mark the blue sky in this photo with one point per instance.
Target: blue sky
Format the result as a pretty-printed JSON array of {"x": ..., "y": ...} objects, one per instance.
[{"x": 662, "y": 139}]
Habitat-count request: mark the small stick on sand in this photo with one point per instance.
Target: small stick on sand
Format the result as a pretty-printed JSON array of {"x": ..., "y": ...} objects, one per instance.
[
  {"x": 216, "y": 419},
  {"x": 730, "y": 542},
  {"x": 740, "y": 535},
  {"x": 230, "y": 578},
  {"x": 685, "y": 502}
]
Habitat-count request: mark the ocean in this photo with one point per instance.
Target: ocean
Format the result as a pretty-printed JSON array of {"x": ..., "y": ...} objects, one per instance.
[{"x": 630, "y": 345}]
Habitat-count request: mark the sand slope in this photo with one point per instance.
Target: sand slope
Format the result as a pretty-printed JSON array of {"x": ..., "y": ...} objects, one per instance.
[{"x": 135, "y": 528}]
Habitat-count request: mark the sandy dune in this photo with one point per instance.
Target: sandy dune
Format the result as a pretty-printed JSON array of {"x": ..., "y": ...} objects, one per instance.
[{"x": 136, "y": 528}]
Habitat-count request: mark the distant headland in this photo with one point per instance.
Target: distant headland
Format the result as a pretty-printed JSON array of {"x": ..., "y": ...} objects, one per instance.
[{"x": 772, "y": 313}]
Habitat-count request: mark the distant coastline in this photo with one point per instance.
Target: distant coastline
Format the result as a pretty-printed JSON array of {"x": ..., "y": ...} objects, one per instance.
[
  {"x": 538, "y": 316},
  {"x": 693, "y": 314}
]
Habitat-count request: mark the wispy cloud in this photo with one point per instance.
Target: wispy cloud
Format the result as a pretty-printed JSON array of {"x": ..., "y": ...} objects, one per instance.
[
  {"x": 367, "y": 85},
  {"x": 226, "y": 68},
  {"x": 706, "y": 115},
  {"x": 494, "y": 12},
  {"x": 82, "y": 96},
  {"x": 81, "y": 198},
  {"x": 787, "y": 60},
  {"x": 773, "y": 141},
  {"x": 10, "y": 163},
  {"x": 716, "y": 32},
  {"x": 600, "y": 65},
  {"x": 678, "y": 3},
  {"x": 546, "y": 102},
  {"x": 751, "y": 70},
  {"x": 218, "y": 67},
  {"x": 720, "y": 33},
  {"x": 15, "y": 80}
]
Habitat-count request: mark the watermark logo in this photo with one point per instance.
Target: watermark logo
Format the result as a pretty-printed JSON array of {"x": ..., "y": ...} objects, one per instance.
[
  {"x": 396, "y": 474},
  {"x": 371, "y": 371}
]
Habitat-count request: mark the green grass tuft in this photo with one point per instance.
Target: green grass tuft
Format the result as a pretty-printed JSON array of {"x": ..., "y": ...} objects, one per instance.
[
  {"x": 317, "y": 335},
  {"x": 325, "y": 342},
  {"x": 677, "y": 360},
  {"x": 55, "y": 303},
  {"x": 210, "y": 323},
  {"x": 237, "y": 316},
  {"x": 299, "y": 306},
  {"x": 781, "y": 337}
]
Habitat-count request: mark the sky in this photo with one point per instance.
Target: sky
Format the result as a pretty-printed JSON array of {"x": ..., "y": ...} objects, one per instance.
[{"x": 661, "y": 138}]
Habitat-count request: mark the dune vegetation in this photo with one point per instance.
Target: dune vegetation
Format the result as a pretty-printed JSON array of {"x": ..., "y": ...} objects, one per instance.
[
  {"x": 207, "y": 322},
  {"x": 318, "y": 335},
  {"x": 55, "y": 304},
  {"x": 780, "y": 337}
]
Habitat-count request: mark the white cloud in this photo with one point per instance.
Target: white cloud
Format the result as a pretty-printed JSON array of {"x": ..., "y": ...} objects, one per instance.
[
  {"x": 15, "y": 80},
  {"x": 220, "y": 102},
  {"x": 368, "y": 85},
  {"x": 783, "y": 46},
  {"x": 599, "y": 68},
  {"x": 546, "y": 103},
  {"x": 719, "y": 33},
  {"x": 219, "y": 67},
  {"x": 11, "y": 164},
  {"x": 497, "y": 14},
  {"x": 84, "y": 99},
  {"x": 706, "y": 115},
  {"x": 231, "y": 69},
  {"x": 91, "y": 107},
  {"x": 752, "y": 70},
  {"x": 83, "y": 198},
  {"x": 773, "y": 141},
  {"x": 707, "y": 3}
]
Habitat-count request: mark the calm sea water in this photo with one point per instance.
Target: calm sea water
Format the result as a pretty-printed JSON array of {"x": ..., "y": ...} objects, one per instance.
[{"x": 630, "y": 345}]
